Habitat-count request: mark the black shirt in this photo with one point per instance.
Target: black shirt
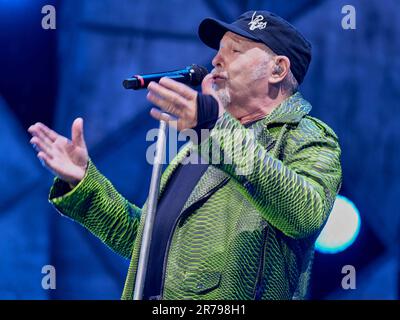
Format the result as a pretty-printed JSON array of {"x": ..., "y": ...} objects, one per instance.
[{"x": 177, "y": 192}]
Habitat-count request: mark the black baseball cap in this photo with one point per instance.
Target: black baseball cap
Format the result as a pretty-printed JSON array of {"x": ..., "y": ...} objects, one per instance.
[{"x": 265, "y": 27}]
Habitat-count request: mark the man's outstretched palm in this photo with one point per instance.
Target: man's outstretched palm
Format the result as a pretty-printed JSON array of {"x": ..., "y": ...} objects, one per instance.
[{"x": 64, "y": 158}]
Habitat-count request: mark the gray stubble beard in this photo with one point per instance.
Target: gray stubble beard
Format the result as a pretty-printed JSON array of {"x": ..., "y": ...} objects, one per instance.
[{"x": 223, "y": 95}]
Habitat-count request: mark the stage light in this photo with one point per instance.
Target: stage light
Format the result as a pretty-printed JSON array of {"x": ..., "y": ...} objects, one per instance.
[{"x": 342, "y": 227}]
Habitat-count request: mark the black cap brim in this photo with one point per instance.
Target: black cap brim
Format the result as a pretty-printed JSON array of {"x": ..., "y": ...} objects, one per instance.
[{"x": 211, "y": 32}]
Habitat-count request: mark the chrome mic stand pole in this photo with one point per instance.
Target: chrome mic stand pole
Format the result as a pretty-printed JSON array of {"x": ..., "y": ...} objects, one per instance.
[{"x": 151, "y": 211}]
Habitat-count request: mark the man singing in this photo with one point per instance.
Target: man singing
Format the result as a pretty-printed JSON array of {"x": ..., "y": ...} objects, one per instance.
[{"x": 220, "y": 232}]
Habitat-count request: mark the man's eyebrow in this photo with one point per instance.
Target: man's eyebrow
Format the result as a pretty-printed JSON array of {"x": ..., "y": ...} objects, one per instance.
[
  {"x": 242, "y": 41},
  {"x": 236, "y": 40}
]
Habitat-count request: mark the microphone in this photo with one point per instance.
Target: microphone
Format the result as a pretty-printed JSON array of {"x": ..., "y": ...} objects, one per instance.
[{"x": 192, "y": 75}]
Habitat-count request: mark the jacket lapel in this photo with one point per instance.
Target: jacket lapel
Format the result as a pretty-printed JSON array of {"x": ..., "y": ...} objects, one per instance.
[
  {"x": 207, "y": 183},
  {"x": 182, "y": 154}
]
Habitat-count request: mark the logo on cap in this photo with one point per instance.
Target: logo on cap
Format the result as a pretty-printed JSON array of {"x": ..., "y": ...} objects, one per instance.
[{"x": 256, "y": 22}]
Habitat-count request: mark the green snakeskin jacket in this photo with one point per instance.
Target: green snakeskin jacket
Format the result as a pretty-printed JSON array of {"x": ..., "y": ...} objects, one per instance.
[{"x": 243, "y": 233}]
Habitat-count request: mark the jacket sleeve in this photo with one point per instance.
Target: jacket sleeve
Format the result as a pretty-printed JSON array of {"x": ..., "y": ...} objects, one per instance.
[
  {"x": 96, "y": 205},
  {"x": 295, "y": 195}
]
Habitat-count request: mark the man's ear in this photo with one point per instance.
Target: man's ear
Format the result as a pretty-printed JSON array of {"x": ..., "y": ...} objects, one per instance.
[{"x": 280, "y": 69}]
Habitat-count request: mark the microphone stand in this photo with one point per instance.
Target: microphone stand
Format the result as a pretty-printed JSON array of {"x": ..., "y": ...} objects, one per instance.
[{"x": 151, "y": 211}]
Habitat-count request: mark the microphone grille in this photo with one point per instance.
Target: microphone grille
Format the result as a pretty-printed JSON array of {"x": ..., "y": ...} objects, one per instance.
[{"x": 199, "y": 72}]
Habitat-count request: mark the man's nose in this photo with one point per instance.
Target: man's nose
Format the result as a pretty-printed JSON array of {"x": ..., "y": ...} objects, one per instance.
[{"x": 217, "y": 60}]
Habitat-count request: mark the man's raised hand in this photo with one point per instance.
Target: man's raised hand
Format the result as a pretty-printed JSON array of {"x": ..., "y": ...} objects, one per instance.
[
  {"x": 178, "y": 102},
  {"x": 64, "y": 158}
]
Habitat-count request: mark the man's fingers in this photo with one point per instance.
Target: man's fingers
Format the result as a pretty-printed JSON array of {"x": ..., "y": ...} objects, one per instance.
[
  {"x": 207, "y": 85},
  {"x": 41, "y": 145},
  {"x": 166, "y": 100},
  {"x": 167, "y": 94},
  {"x": 47, "y": 162},
  {"x": 43, "y": 133},
  {"x": 180, "y": 88},
  {"x": 77, "y": 132},
  {"x": 44, "y": 158},
  {"x": 47, "y": 132},
  {"x": 44, "y": 138}
]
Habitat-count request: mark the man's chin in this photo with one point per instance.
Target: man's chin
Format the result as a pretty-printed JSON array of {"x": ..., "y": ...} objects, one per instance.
[{"x": 224, "y": 97}]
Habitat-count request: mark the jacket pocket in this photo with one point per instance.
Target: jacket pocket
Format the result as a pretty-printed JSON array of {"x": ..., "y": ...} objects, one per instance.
[{"x": 201, "y": 282}]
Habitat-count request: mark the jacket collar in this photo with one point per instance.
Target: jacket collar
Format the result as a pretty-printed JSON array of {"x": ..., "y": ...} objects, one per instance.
[{"x": 291, "y": 110}]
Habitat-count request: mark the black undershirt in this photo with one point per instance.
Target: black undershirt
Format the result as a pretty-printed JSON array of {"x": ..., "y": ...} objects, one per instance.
[{"x": 177, "y": 192}]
